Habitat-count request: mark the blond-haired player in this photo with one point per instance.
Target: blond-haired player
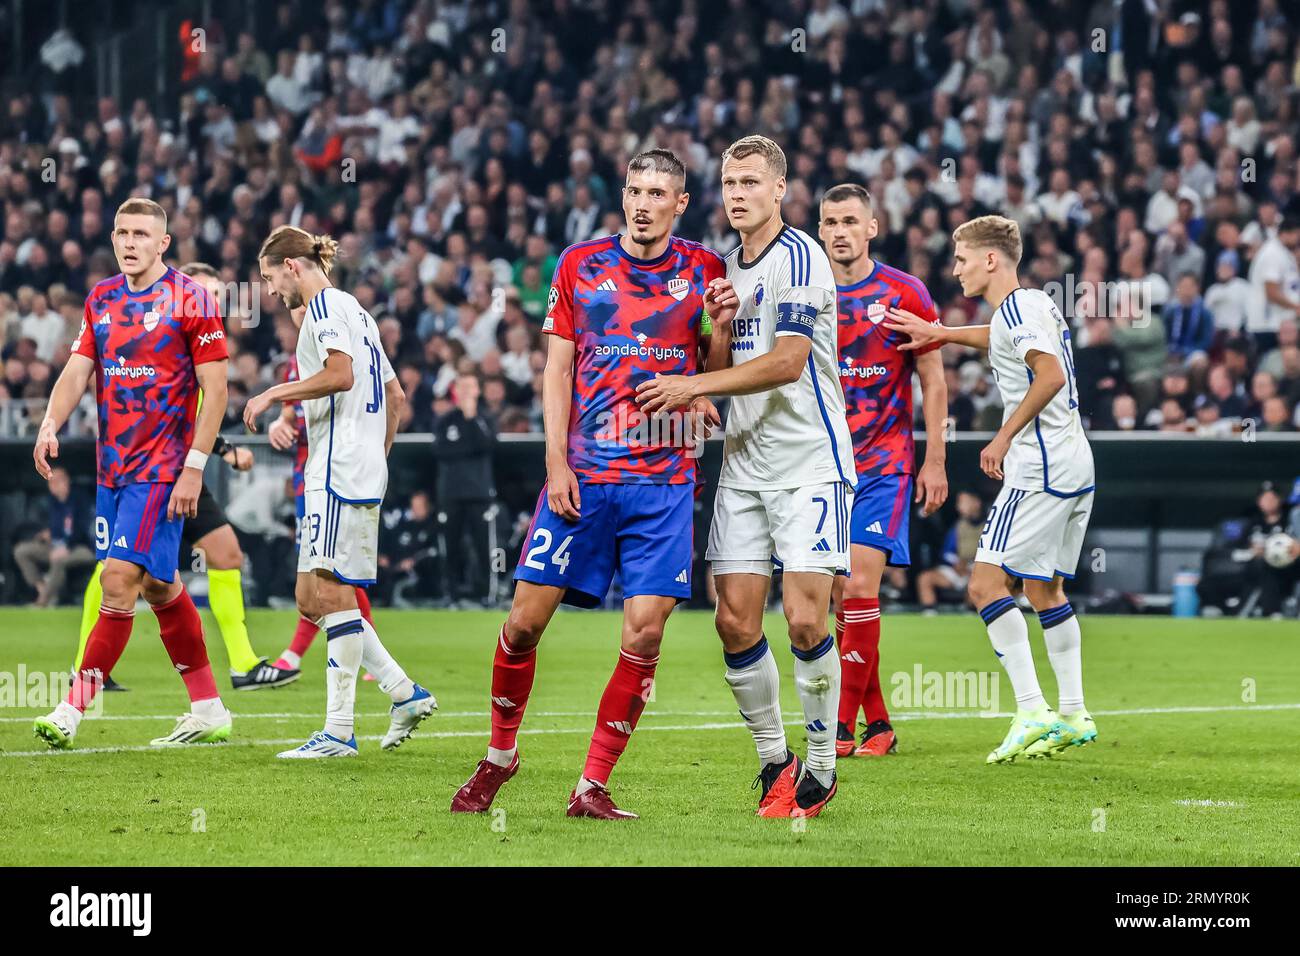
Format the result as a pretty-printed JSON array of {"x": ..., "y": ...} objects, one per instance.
[
  {"x": 1035, "y": 528},
  {"x": 352, "y": 400},
  {"x": 787, "y": 474}
]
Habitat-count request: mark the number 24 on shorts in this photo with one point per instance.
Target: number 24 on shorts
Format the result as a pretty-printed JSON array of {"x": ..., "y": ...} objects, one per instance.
[{"x": 544, "y": 538}]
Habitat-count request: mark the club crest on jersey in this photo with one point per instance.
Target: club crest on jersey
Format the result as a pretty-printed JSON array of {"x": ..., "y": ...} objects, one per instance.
[
  {"x": 677, "y": 288},
  {"x": 151, "y": 320},
  {"x": 876, "y": 312},
  {"x": 758, "y": 293}
]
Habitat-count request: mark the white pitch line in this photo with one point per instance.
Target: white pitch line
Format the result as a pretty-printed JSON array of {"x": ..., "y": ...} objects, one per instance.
[
  {"x": 647, "y": 728},
  {"x": 901, "y": 715}
]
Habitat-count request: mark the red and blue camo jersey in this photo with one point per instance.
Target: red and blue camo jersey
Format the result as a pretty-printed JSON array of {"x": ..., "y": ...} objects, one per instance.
[
  {"x": 300, "y": 428},
  {"x": 145, "y": 346},
  {"x": 629, "y": 319},
  {"x": 876, "y": 376}
]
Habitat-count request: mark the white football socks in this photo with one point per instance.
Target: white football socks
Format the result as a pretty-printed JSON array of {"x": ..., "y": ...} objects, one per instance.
[
  {"x": 817, "y": 678},
  {"x": 376, "y": 659},
  {"x": 756, "y": 685},
  {"x": 343, "y": 651},
  {"x": 1009, "y": 635},
  {"x": 1064, "y": 650}
]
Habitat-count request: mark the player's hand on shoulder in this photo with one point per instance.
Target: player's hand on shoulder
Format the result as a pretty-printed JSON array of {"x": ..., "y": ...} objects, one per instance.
[
  {"x": 47, "y": 446},
  {"x": 184, "y": 502},
  {"x": 918, "y": 330},
  {"x": 563, "y": 494}
]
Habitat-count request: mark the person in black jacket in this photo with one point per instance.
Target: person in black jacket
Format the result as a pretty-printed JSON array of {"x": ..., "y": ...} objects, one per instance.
[
  {"x": 462, "y": 447},
  {"x": 63, "y": 545}
]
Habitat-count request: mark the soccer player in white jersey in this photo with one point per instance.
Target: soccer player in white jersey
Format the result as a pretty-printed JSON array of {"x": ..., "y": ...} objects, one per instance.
[
  {"x": 787, "y": 474},
  {"x": 351, "y": 399},
  {"x": 1035, "y": 528}
]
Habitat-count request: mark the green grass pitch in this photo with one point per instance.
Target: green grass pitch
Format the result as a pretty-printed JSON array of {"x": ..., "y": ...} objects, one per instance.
[{"x": 1193, "y": 766}]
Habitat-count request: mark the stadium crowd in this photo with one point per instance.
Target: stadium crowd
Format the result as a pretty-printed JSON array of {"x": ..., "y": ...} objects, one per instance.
[{"x": 1148, "y": 149}]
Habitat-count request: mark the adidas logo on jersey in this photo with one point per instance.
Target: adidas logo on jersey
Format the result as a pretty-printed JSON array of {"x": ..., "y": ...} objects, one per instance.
[
  {"x": 874, "y": 528},
  {"x": 853, "y": 657},
  {"x": 121, "y": 542},
  {"x": 503, "y": 702},
  {"x": 681, "y": 577},
  {"x": 609, "y": 285},
  {"x": 821, "y": 545},
  {"x": 104, "y": 320},
  {"x": 622, "y": 726}
]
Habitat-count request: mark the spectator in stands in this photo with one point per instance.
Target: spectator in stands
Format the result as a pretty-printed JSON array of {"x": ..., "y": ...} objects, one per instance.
[
  {"x": 65, "y": 544},
  {"x": 1188, "y": 323},
  {"x": 1275, "y": 275}
]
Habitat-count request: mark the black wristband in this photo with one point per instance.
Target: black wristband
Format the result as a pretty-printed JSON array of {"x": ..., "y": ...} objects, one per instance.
[{"x": 221, "y": 446}]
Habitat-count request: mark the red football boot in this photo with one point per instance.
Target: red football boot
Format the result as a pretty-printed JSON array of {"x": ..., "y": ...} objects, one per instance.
[
  {"x": 481, "y": 788},
  {"x": 877, "y": 740},
  {"x": 810, "y": 796},
  {"x": 845, "y": 742},
  {"x": 596, "y": 802},
  {"x": 778, "y": 781}
]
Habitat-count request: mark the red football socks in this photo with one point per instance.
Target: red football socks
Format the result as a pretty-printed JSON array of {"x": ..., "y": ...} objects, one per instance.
[
  {"x": 182, "y": 635},
  {"x": 620, "y": 708}
]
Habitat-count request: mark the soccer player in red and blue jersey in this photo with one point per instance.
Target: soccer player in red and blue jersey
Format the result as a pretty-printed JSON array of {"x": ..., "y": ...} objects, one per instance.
[
  {"x": 152, "y": 337},
  {"x": 877, "y": 380},
  {"x": 620, "y": 483},
  {"x": 289, "y": 431}
]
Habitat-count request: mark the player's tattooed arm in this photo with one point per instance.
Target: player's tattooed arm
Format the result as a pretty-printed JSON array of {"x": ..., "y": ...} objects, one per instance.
[
  {"x": 1049, "y": 378},
  {"x": 562, "y": 493},
  {"x": 923, "y": 333},
  {"x": 932, "y": 479},
  {"x": 69, "y": 388}
]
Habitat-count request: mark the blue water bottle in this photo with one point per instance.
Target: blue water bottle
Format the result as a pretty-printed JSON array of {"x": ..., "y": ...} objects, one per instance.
[{"x": 1187, "y": 602}]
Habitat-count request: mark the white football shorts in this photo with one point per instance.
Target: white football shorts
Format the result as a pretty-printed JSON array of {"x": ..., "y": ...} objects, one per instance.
[{"x": 1035, "y": 534}]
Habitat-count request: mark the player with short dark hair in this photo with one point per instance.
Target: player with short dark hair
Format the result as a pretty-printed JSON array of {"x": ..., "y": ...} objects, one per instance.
[
  {"x": 620, "y": 484},
  {"x": 877, "y": 380},
  {"x": 152, "y": 337}
]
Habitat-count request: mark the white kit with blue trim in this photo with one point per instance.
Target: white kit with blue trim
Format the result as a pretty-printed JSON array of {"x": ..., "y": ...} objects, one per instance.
[
  {"x": 1035, "y": 528},
  {"x": 795, "y": 435},
  {"x": 787, "y": 465},
  {"x": 346, "y": 473}
]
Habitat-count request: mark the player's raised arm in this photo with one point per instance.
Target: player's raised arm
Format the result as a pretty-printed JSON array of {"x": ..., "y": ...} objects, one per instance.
[
  {"x": 69, "y": 388},
  {"x": 923, "y": 333}
]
